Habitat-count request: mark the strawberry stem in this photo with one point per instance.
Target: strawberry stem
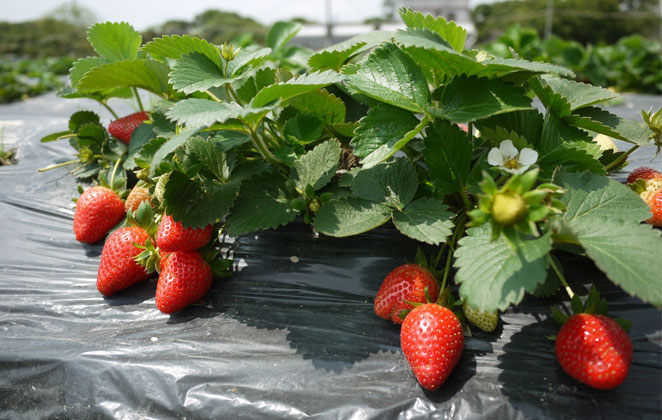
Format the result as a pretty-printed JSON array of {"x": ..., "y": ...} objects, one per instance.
[
  {"x": 112, "y": 176},
  {"x": 140, "y": 103},
  {"x": 211, "y": 95},
  {"x": 59, "y": 165},
  {"x": 105, "y": 105},
  {"x": 622, "y": 158},
  {"x": 459, "y": 227},
  {"x": 568, "y": 290}
]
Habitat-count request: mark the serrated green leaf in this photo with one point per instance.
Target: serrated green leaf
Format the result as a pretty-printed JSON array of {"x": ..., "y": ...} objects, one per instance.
[
  {"x": 346, "y": 129},
  {"x": 141, "y": 135},
  {"x": 382, "y": 132},
  {"x": 146, "y": 74},
  {"x": 170, "y": 145},
  {"x": 390, "y": 75},
  {"x": 175, "y": 46},
  {"x": 259, "y": 80},
  {"x": 335, "y": 56},
  {"x": 324, "y": 105},
  {"x": 573, "y": 157},
  {"x": 281, "y": 33},
  {"x": 553, "y": 101},
  {"x": 247, "y": 59},
  {"x": 82, "y": 66},
  {"x": 577, "y": 94},
  {"x": 498, "y": 67},
  {"x": 197, "y": 205},
  {"x": 447, "y": 155},
  {"x": 392, "y": 183},
  {"x": 555, "y": 131},
  {"x": 426, "y": 220},
  {"x": 350, "y": 216},
  {"x": 451, "y": 32},
  {"x": 210, "y": 154},
  {"x": 304, "y": 128},
  {"x": 467, "y": 99},
  {"x": 195, "y": 113},
  {"x": 604, "y": 122},
  {"x": 229, "y": 139},
  {"x": 115, "y": 41},
  {"x": 493, "y": 276},
  {"x": 81, "y": 118},
  {"x": 317, "y": 167},
  {"x": 295, "y": 86},
  {"x": 526, "y": 124},
  {"x": 264, "y": 203},
  {"x": 195, "y": 72}
]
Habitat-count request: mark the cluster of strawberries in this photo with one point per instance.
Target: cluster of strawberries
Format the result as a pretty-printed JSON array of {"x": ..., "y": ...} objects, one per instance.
[
  {"x": 591, "y": 348},
  {"x": 129, "y": 255},
  {"x": 647, "y": 182}
]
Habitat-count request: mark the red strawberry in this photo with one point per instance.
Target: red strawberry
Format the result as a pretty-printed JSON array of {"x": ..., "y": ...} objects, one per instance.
[
  {"x": 122, "y": 128},
  {"x": 184, "y": 279},
  {"x": 406, "y": 283},
  {"x": 432, "y": 341},
  {"x": 595, "y": 350},
  {"x": 654, "y": 201},
  {"x": 172, "y": 236},
  {"x": 643, "y": 172},
  {"x": 117, "y": 268},
  {"x": 137, "y": 195},
  {"x": 98, "y": 209}
]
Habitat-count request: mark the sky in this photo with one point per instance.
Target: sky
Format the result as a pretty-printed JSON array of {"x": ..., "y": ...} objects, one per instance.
[{"x": 145, "y": 13}]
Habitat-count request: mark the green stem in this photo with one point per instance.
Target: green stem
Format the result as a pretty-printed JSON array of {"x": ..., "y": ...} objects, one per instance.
[
  {"x": 112, "y": 176},
  {"x": 465, "y": 199},
  {"x": 105, "y": 105},
  {"x": 261, "y": 147},
  {"x": 59, "y": 165},
  {"x": 234, "y": 94},
  {"x": 140, "y": 103},
  {"x": 560, "y": 275},
  {"x": 211, "y": 95},
  {"x": 622, "y": 158},
  {"x": 459, "y": 227}
]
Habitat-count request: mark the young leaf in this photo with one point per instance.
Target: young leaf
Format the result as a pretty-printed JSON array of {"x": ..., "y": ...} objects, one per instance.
[
  {"x": 317, "y": 167},
  {"x": 115, "y": 41},
  {"x": 264, "y": 203},
  {"x": 175, "y": 46},
  {"x": 246, "y": 59},
  {"x": 451, "y": 32},
  {"x": 295, "y": 86},
  {"x": 170, "y": 145},
  {"x": 210, "y": 154},
  {"x": 260, "y": 79},
  {"x": 146, "y": 74},
  {"x": 447, "y": 154},
  {"x": 335, "y": 56},
  {"x": 390, "y": 75},
  {"x": 492, "y": 275},
  {"x": 195, "y": 204},
  {"x": 324, "y": 105},
  {"x": 195, "y": 72},
  {"x": 81, "y": 118},
  {"x": 304, "y": 128},
  {"x": 281, "y": 33},
  {"x": 467, "y": 99},
  {"x": 393, "y": 184},
  {"x": 426, "y": 220},
  {"x": 577, "y": 94},
  {"x": 195, "y": 113},
  {"x": 350, "y": 216},
  {"x": 382, "y": 132},
  {"x": 604, "y": 122}
]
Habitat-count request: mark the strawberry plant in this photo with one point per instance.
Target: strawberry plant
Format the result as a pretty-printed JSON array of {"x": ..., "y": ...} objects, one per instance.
[{"x": 405, "y": 127}]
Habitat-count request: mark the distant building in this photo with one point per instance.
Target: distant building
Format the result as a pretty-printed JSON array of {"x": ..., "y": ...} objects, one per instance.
[{"x": 318, "y": 36}]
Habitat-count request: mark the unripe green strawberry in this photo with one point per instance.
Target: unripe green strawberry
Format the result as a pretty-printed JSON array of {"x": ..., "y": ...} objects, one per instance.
[
  {"x": 486, "y": 321},
  {"x": 508, "y": 208},
  {"x": 159, "y": 189}
]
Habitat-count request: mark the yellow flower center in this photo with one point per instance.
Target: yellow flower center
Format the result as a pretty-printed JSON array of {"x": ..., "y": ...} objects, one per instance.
[{"x": 511, "y": 163}]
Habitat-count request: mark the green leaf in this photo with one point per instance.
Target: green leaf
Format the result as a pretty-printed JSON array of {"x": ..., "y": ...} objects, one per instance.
[
  {"x": 170, "y": 145},
  {"x": 195, "y": 72},
  {"x": 260, "y": 79},
  {"x": 317, "y": 167},
  {"x": 426, "y": 220},
  {"x": 390, "y": 75},
  {"x": 335, "y": 56},
  {"x": 304, "y": 128},
  {"x": 324, "y": 105},
  {"x": 176, "y": 46},
  {"x": 573, "y": 157},
  {"x": 212, "y": 156},
  {"x": 492, "y": 275},
  {"x": 264, "y": 203},
  {"x": 556, "y": 131},
  {"x": 382, "y": 132},
  {"x": 467, "y": 99},
  {"x": 346, "y": 129},
  {"x": 451, "y": 32},
  {"x": 392, "y": 183},
  {"x": 82, "y": 66},
  {"x": 447, "y": 155},
  {"x": 195, "y": 113},
  {"x": 229, "y": 139},
  {"x": 526, "y": 124},
  {"x": 350, "y": 216},
  {"x": 140, "y": 136},
  {"x": 502, "y": 66},
  {"x": 577, "y": 94},
  {"x": 295, "y": 86},
  {"x": 81, "y": 118},
  {"x": 197, "y": 205},
  {"x": 115, "y": 41},
  {"x": 55, "y": 136},
  {"x": 281, "y": 33},
  {"x": 146, "y": 74},
  {"x": 604, "y": 122},
  {"x": 247, "y": 59}
]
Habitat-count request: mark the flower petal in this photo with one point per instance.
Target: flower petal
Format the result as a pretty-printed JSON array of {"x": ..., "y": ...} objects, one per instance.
[
  {"x": 528, "y": 156},
  {"x": 519, "y": 170},
  {"x": 507, "y": 149},
  {"x": 495, "y": 158}
]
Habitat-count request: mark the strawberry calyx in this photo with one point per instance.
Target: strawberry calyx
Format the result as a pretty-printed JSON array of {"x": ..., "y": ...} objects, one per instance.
[{"x": 594, "y": 305}]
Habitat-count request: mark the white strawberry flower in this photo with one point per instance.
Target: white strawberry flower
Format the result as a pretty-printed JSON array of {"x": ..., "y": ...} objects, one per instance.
[{"x": 510, "y": 159}]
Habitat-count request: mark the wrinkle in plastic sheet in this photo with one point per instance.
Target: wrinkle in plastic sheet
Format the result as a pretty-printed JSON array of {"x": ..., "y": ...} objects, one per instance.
[{"x": 280, "y": 339}]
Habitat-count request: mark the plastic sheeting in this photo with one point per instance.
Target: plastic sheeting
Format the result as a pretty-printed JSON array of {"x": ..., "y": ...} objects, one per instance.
[{"x": 285, "y": 337}]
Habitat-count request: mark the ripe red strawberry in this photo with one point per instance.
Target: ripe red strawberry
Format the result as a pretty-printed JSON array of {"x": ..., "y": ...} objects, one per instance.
[
  {"x": 98, "y": 210},
  {"x": 654, "y": 201},
  {"x": 117, "y": 268},
  {"x": 406, "y": 283},
  {"x": 184, "y": 279},
  {"x": 172, "y": 236},
  {"x": 643, "y": 172},
  {"x": 595, "y": 350},
  {"x": 432, "y": 341},
  {"x": 122, "y": 128},
  {"x": 137, "y": 195}
]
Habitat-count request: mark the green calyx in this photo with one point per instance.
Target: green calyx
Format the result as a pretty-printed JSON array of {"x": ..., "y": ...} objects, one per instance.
[{"x": 508, "y": 208}]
